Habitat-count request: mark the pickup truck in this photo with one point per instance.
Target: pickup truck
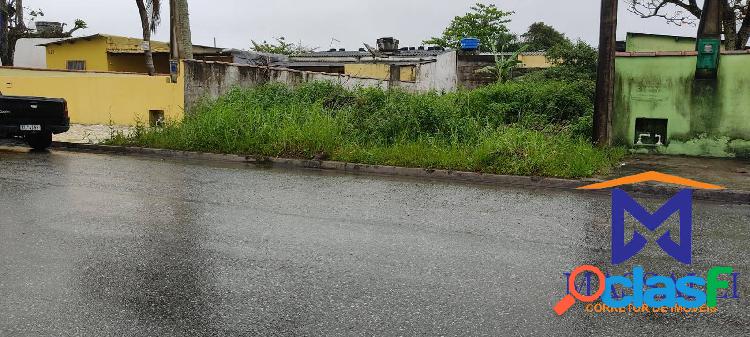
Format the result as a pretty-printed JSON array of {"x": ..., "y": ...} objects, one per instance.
[{"x": 33, "y": 119}]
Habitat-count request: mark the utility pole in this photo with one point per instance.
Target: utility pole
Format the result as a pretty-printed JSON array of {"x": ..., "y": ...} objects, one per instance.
[{"x": 605, "y": 81}]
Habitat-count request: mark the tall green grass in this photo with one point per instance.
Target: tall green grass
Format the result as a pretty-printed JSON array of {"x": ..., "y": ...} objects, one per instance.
[{"x": 515, "y": 128}]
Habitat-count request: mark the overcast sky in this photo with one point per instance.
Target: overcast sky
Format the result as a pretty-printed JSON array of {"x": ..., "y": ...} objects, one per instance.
[{"x": 235, "y": 22}]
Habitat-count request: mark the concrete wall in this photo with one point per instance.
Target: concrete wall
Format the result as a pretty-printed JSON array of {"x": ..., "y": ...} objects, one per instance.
[
  {"x": 100, "y": 98},
  {"x": 440, "y": 75},
  {"x": 706, "y": 118},
  {"x": 213, "y": 79},
  {"x": 467, "y": 66},
  {"x": 30, "y": 55}
]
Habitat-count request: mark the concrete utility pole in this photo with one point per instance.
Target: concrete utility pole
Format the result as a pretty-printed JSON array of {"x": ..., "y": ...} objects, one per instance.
[{"x": 605, "y": 82}]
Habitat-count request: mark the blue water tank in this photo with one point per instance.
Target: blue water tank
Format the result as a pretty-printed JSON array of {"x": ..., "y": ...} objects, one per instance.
[{"x": 470, "y": 44}]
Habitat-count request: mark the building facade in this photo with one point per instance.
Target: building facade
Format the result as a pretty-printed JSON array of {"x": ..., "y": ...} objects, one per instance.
[
  {"x": 662, "y": 107},
  {"x": 102, "y": 52}
]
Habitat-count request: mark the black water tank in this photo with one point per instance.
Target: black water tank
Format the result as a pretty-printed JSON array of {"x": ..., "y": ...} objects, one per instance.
[{"x": 387, "y": 44}]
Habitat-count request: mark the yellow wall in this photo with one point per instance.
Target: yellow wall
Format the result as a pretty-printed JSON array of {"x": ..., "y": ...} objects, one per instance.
[
  {"x": 408, "y": 73},
  {"x": 136, "y": 63},
  {"x": 94, "y": 52},
  {"x": 100, "y": 98},
  {"x": 534, "y": 61},
  {"x": 379, "y": 71}
]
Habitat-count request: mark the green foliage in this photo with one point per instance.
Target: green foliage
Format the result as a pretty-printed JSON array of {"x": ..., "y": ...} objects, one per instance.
[
  {"x": 512, "y": 128},
  {"x": 485, "y": 22},
  {"x": 280, "y": 47},
  {"x": 542, "y": 37},
  {"x": 573, "y": 61},
  {"x": 504, "y": 64},
  {"x": 14, "y": 30}
]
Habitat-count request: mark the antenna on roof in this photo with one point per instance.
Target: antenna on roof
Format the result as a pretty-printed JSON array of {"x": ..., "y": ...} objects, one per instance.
[{"x": 333, "y": 40}]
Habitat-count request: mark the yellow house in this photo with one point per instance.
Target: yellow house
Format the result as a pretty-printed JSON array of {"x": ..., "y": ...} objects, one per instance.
[{"x": 102, "y": 52}]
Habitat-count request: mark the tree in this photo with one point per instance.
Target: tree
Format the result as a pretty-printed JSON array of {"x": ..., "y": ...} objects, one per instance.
[
  {"x": 19, "y": 15},
  {"x": 280, "y": 47},
  {"x": 180, "y": 22},
  {"x": 542, "y": 37},
  {"x": 13, "y": 27},
  {"x": 485, "y": 22},
  {"x": 573, "y": 61},
  {"x": 150, "y": 12},
  {"x": 735, "y": 19}
]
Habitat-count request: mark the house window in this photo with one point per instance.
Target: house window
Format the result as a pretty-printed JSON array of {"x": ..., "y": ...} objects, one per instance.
[
  {"x": 76, "y": 65},
  {"x": 156, "y": 118}
]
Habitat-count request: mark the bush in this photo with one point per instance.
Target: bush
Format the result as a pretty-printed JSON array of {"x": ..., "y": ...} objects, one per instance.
[{"x": 513, "y": 128}]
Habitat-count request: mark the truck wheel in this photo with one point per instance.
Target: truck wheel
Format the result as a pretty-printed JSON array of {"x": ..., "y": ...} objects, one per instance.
[{"x": 40, "y": 141}]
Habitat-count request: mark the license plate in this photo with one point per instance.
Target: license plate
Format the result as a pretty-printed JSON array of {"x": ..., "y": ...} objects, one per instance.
[{"x": 31, "y": 128}]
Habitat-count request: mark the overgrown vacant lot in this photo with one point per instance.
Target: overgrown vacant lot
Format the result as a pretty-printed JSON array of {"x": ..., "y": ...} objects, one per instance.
[{"x": 520, "y": 128}]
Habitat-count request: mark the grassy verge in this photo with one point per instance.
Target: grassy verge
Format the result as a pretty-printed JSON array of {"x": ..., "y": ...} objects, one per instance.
[{"x": 518, "y": 129}]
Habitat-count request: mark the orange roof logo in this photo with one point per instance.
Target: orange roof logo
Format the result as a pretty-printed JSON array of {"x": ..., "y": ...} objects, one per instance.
[{"x": 655, "y": 177}]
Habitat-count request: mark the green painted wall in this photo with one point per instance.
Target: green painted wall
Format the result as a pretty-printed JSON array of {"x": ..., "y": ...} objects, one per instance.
[
  {"x": 705, "y": 118},
  {"x": 649, "y": 43}
]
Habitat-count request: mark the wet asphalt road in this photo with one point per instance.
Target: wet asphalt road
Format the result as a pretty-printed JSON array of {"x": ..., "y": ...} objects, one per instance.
[{"x": 98, "y": 245}]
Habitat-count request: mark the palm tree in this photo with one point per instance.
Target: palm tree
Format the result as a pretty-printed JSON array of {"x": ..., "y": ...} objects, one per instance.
[
  {"x": 181, "y": 35},
  {"x": 150, "y": 12},
  {"x": 19, "y": 15}
]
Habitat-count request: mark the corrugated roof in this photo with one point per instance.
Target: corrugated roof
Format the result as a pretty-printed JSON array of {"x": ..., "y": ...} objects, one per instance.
[
  {"x": 341, "y": 64},
  {"x": 676, "y": 53},
  {"x": 530, "y": 53},
  {"x": 401, "y": 53}
]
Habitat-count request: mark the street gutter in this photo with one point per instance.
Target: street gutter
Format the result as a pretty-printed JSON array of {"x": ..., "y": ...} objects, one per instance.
[{"x": 730, "y": 196}]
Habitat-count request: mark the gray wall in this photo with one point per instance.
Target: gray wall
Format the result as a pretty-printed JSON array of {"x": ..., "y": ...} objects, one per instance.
[
  {"x": 438, "y": 76},
  {"x": 214, "y": 79},
  {"x": 467, "y": 66}
]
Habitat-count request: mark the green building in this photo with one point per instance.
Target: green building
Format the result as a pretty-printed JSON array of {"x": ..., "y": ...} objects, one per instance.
[
  {"x": 660, "y": 106},
  {"x": 640, "y": 42}
]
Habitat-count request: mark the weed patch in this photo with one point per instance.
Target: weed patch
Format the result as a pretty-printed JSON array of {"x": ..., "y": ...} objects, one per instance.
[{"x": 519, "y": 128}]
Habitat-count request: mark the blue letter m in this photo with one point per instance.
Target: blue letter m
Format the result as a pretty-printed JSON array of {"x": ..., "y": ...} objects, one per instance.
[{"x": 682, "y": 203}]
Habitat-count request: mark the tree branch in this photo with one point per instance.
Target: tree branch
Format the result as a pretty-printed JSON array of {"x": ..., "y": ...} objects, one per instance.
[{"x": 688, "y": 15}]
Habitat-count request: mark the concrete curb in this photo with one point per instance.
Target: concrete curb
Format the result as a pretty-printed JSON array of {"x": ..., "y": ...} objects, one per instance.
[{"x": 731, "y": 196}]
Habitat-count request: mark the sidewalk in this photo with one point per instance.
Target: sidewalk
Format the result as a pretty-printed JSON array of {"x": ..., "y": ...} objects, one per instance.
[
  {"x": 730, "y": 173},
  {"x": 90, "y": 134}
]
